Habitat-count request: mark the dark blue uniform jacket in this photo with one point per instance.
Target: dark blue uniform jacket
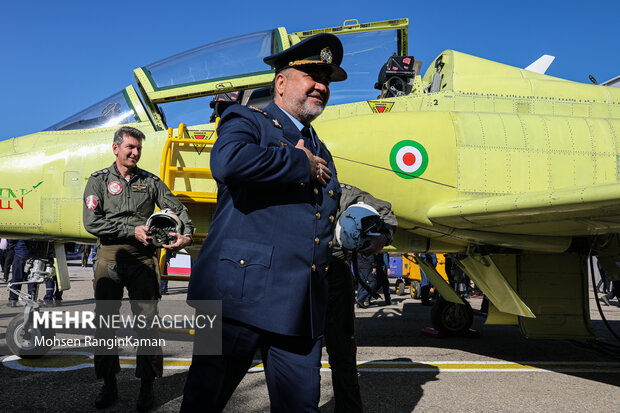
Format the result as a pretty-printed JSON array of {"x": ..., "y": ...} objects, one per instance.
[{"x": 268, "y": 246}]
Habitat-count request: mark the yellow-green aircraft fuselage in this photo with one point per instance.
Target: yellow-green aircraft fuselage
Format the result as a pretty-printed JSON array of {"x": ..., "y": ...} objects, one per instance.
[{"x": 517, "y": 171}]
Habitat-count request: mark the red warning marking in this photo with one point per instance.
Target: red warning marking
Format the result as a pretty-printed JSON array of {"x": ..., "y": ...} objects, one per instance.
[
  {"x": 380, "y": 107},
  {"x": 200, "y": 135}
]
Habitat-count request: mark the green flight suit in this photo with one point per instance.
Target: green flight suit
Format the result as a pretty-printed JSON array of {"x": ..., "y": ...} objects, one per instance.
[
  {"x": 340, "y": 321},
  {"x": 113, "y": 207}
]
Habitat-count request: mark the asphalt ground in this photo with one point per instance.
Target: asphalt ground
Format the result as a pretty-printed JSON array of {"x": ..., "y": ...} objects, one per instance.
[{"x": 400, "y": 369}]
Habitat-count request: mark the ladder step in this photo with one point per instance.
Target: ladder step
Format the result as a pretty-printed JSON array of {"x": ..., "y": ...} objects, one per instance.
[
  {"x": 190, "y": 172},
  {"x": 198, "y": 197}
]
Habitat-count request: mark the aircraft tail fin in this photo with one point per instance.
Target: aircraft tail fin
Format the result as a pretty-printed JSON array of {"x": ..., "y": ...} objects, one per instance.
[{"x": 541, "y": 64}]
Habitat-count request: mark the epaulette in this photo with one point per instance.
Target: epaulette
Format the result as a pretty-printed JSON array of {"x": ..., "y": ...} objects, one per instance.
[
  {"x": 100, "y": 172},
  {"x": 255, "y": 109},
  {"x": 147, "y": 174}
]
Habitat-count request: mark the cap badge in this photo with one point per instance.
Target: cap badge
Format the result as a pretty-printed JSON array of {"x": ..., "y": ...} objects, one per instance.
[{"x": 326, "y": 55}]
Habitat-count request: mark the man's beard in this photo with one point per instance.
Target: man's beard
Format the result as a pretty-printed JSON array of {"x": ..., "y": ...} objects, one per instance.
[{"x": 309, "y": 111}]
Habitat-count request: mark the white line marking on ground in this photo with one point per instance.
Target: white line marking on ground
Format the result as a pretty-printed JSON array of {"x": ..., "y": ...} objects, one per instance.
[{"x": 72, "y": 361}]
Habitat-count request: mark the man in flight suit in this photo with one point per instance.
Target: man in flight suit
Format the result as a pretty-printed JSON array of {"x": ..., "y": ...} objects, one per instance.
[
  {"x": 340, "y": 322},
  {"x": 267, "y": 252},
  {"x": 118, "y": 200}
]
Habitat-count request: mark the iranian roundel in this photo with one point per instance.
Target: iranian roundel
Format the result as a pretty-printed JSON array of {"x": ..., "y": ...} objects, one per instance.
[{"x": 408, "y": 159}]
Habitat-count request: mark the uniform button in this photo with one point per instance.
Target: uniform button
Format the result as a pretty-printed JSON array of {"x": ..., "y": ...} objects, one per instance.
[
  {"x": 317, "y": 240},
  {"x": 331, "y": 218},
  {"x": 330, "y": 244},
  {"x": 318, "y": 215},
  {"x": 303, "y": 185},
  {"x": 242, "y": 262},
  {"x": 313, "y": 267},
  {"x": 331, "y": 193},
  {"x": 316, "y": 191},
  {"x": 327, "y": 268}
]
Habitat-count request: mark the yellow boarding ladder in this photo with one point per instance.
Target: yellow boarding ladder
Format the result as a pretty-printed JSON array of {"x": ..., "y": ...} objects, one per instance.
[{"x": 169, "y": 171}]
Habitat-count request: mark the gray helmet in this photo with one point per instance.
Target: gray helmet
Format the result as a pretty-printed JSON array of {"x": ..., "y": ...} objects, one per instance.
[{"x": 356, "y": 224}]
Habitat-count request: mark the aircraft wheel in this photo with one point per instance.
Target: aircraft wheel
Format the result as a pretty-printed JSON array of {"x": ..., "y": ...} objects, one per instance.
[
  {"x": 450, "y": 318},
  {"x": 400, "y": 287},
  {"x": 415, "y": 289},
  {"x": 24, "y": 345}
]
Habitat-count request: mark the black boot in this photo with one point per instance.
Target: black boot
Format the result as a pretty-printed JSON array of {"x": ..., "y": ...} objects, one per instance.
[
  {"x": 108, "y": 394},
  {"x": 146, "y": 398},
  {"x": 425, "y": 295}
]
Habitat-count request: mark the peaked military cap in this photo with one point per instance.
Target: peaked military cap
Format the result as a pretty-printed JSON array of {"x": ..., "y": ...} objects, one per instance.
[{"x": 323, "y": 51}]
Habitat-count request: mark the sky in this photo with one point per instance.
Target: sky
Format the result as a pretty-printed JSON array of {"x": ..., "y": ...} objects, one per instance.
[{"x": 60, "y": 57}]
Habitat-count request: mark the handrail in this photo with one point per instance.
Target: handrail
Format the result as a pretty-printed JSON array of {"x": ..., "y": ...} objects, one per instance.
[{"x": 169, "y": 170}]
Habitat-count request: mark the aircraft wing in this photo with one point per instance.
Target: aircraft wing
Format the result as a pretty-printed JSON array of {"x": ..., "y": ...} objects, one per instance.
[{"x": 565, "y": 212}]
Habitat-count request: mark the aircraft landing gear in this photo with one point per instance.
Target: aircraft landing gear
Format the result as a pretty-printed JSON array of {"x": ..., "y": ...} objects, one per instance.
[
  {"x": 26, "y": 341},
  {"x": 451, "y": 319},
  {"x": 22, "y": 337}
]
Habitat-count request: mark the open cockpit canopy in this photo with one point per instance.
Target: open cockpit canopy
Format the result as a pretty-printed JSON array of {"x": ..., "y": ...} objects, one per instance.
[{"x": 180, "y": 88}]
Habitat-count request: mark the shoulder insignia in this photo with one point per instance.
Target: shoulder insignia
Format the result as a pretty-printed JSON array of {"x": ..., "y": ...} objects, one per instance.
[
  {"x": 148, "y": 174},
  {"x": 100, "y": 172},
  {"x": 345, "y": 186},
  {"x": 255, "y": 109},
  {"x": 276, "y": 123}
]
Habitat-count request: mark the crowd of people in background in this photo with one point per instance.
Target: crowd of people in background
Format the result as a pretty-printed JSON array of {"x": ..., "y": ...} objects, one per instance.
[{"x": 14, "y": 254}]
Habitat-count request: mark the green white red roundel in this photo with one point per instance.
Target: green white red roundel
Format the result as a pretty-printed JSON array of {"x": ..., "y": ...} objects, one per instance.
[{"x": 408, "y": 159}]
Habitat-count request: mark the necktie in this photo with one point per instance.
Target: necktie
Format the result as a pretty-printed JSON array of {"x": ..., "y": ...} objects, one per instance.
[{"x": 307, "y": 134}]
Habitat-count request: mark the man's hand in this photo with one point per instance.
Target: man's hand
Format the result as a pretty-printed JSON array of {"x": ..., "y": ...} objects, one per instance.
[
  {"x": 180, "y": 242},
  {"x": 318, "y": 167},
  {"x": 141, "y": 233},
  {"x": 376, "y": 244}
]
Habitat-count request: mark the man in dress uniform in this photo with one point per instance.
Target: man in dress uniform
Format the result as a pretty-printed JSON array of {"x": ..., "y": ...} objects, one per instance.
[
  {"x": 269, "y": 243},
  {"x": 118, "y": 201}
]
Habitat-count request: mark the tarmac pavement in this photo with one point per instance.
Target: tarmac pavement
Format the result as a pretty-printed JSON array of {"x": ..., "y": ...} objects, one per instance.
[{"x": 400, "y": 369}]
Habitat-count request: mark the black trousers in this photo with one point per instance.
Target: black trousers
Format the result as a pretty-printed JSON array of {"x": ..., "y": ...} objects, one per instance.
[
  {"x": 292, "y": 369},
  {"x": 8, "y": 261},
  {"x": 340, "y": 337},
  {"x": 18, "y": 264}
]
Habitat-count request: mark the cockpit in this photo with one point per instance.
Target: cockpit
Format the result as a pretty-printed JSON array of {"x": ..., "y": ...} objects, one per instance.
[{"x": 183, "y": 87}]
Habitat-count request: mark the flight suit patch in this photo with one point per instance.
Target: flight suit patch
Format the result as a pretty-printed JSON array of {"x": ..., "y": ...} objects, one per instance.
[
  {"x": 138, "y": 188},
  {"x": 92, "y": 201},
  {"x": 115, "y": 187}
]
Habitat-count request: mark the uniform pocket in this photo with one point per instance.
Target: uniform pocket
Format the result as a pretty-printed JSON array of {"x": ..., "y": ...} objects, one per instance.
[{"x": 243, "y": 269}]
